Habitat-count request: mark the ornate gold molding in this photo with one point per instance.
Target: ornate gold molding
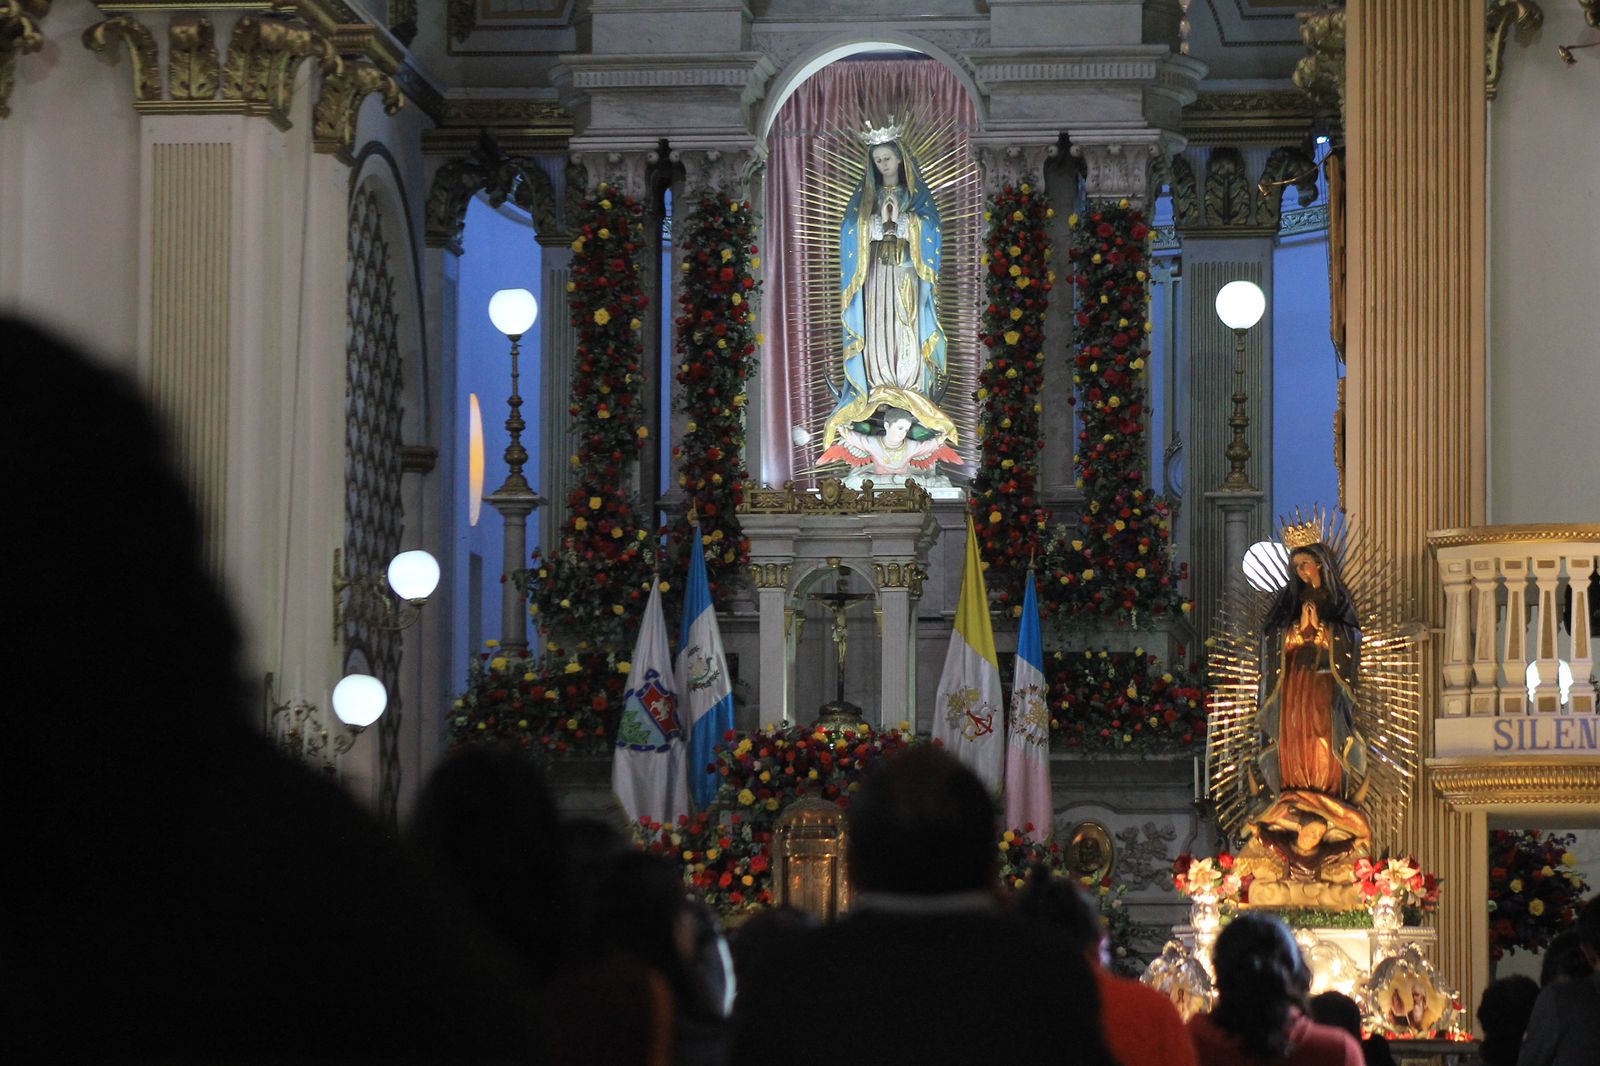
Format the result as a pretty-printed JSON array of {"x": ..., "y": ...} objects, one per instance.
[
  {"x": 1286, "y": 166},
  {"x": 19, "y": 35},
  {"x": 1476, "y": 783},
  {"x": 264, "y": 55},
  {"x": 770, "y": 575},
  {"x": 900, "y": 576},
  {"x": 142, "y": 53},
  {"x": 1279, "y": 116},
  {"x": 1533, "y": 534},
  {"x": 1321, "y": 74},
  {"x": 834, "y": 497},
  {"x": 339, "y": 105},
  {"x": 503, "y": 177},
  {"x": 1502, "y": 15},
  {"x": 192, "y": 63}
]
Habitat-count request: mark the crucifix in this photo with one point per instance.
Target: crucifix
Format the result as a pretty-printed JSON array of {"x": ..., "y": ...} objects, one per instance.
[{"x": 838, "y": 711}]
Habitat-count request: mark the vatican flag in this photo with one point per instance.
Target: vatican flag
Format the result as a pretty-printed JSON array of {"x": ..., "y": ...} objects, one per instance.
[
  {"x": 648, "y": 768},
  {"x": 1028, "y": 731},
  {"x": 966, "y": 709}
]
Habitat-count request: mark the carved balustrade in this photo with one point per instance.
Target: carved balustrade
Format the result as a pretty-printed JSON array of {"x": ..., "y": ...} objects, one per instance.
[{"x": 1518, "y": 597}]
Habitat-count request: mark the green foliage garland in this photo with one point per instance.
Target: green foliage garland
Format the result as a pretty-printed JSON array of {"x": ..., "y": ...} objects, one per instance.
[
  {"x": 716, "y": 347},
  {"x": 1006, "y": 513}
]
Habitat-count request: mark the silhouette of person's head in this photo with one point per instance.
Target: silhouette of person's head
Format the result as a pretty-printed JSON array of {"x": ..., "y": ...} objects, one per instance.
[
  {"x": 486, "y": 823},
  {"x": 1261, "y": 977},
  {"x": 922, "y": 824},
  {"x": 1564, "y": 960},
  {"x": 1504, "y": 1010},
  {"x": 1058, "y": 902}
]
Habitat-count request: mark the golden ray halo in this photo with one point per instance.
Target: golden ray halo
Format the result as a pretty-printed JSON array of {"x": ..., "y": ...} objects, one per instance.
[{"x": 1388, "y": 707}]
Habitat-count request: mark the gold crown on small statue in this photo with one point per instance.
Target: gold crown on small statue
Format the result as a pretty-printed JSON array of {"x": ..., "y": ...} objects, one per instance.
[
  {"x": 1297, "y": 535},
  {"x": 875, "y": 135}
]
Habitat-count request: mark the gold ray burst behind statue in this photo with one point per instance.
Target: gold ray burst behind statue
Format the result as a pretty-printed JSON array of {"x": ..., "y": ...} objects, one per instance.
[
  {"x": 941, "y": 294},
  {"x": 1312, "y": 746}
]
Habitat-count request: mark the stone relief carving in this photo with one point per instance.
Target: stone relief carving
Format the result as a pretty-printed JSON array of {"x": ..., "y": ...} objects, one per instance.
[
  {"x": 501, "y": 177},
  {"x": 1115, "y": 170},
  {"x": 1185, "y": 195},
  {"x": 1285, "y": 167},
  {"x": 1014, "y": 164},
  {"x": 731, "y": 170},
  {"x": 626, "y": 170},
  {"x": 1142, "y": 854},
  {"x": 1227, "y": 189}
]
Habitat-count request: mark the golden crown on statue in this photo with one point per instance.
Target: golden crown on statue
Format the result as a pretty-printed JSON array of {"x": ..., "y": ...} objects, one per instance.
[
  {"x": 1297, "y": 535},
  {"x": 881, "y": 134}
]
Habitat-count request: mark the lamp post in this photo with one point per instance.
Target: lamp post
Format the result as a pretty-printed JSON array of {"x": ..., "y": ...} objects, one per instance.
[
  {"x": 513, "y": 312},
  {"x": 1240, "y": 305}
]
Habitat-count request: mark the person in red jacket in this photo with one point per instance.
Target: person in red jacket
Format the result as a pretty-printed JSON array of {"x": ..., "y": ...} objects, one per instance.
[
  {"x": 1141, "y": 1026},
  {"x": 1260, "y": 1016}
]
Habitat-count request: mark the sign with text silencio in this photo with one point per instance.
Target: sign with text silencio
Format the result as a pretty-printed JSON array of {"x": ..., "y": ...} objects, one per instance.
[{"x": 1521, "y": 734}]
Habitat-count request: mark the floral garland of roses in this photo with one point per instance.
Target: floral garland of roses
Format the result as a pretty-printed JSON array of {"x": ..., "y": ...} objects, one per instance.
[
  {"x": 539, "y": 705},
  {"x": 591, "y": 588},
  {"x": 716, "y": 346},
  {"x": 1005, "y": 510},
  {"x": 1116, "y": 563},
  {"x": 1117, "y": 701},
  {"x": 1534, "y": 889}
]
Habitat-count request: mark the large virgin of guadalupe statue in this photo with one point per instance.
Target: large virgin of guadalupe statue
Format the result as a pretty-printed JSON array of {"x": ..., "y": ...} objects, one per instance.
[
  {"x": 890, "y": 249},
  {"x": 1310, "y": 774}
]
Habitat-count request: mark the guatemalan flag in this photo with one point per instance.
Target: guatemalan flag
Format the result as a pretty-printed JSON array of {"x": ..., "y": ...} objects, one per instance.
[
  {"x": 966, "y": 707},
  {"x": 1028, "y": 730},
  {"x": 647, "y": 769},
  {"x": 703, "y": 684}
]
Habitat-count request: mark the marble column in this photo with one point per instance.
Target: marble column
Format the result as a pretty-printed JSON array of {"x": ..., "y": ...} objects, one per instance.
[
  {"x": 773, "y": 696},
  {"x": 1415, "y": 438}
]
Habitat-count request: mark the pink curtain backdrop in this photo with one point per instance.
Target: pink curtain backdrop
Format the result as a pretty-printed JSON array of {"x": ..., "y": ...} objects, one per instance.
[{"x": 829, "y": 98}]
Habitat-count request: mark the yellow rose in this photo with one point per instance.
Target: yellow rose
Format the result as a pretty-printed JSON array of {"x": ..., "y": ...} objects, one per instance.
[
  {"x": 1536, "y": 907},
  {"x": 1123, "y": 202},
  {"x": 1012, "y": 336},
  {"x": 994, "y": 517},
  {"x": 635, "y": 324},
  {"x": 1016, "y": 313},
  {"x": 624, "y": 667},
  {"x": 580, "y": 524},
  {"x": 577, "y": 245},
  {"x": 772, "y": 804},
  {"x": 602, "y": 316},
  {"x": 746, "y": 797},
  {"x": 616, "y": 609},
  {"x": 727, "y": 254},
  {"x": 604, "y": 233},
  {"x": 1017, "y": 216},
  {"x": 498, "y": 663},
  {"x": 1516, "y": 886},
  {"x": 573, "y": 667},
  {"x": 1088, "y": 575},
  {"x": 1015, "y": 271}
]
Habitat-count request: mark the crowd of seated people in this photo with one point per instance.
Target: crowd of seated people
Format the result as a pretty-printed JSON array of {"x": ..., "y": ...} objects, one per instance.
[{"x": 178, "y": 890}]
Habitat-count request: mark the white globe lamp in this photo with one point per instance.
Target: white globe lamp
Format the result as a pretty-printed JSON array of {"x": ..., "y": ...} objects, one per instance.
[
  {"x": 513, "y": 311},
  {"x": 414, "y": 575},
  {"x": 1266, "y": 566},
  {"x": 1240, "y": 304},
  {"x": 359, "y": 700}
]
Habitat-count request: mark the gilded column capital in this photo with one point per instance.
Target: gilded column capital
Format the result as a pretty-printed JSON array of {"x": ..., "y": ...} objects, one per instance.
[
  {"x": 19, "y": 35},
  {"x": 908, "y": 576},
  {"x": 770, "y": 575},
  {"x": 102, "y": 37},
  {"x": 1117, "y": 164},
  {"x": 339, "y": 104},
  {"x": 730, "y": 170},
  {"x": 192, "y": 64},
  {"x": 1501, "y": 16},
  {"x": 264, "y": 55}
]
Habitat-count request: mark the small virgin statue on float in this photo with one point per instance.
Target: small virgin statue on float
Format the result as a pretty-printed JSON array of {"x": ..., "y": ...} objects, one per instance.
[
  {"x": 1310, "y": 774},
  {"x": 890, "y": 252}
]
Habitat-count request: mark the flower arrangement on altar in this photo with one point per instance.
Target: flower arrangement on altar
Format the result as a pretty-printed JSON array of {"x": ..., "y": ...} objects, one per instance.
[
  {"x": 1210, "y": 878},
  {"x": 552, "y": 704},
  {"x": 763, "y": 772},
  {"x": 1006, "y": 512},
  {"x": 1110, "y": 701},
  {"x": 1399, "y": 879},
  {"x": 727, "y": 862},
  {"x": 1117, "y": 561},
  {"x": 1534, "y": 889},
  {"x": 716, "y": 349},
  {"x": 1021, "y": 856},
  {"x": 595, "y": 583}
]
